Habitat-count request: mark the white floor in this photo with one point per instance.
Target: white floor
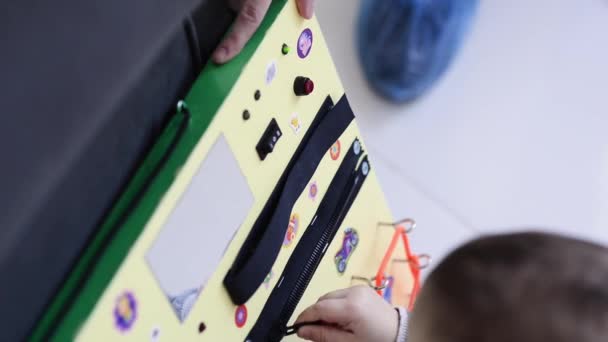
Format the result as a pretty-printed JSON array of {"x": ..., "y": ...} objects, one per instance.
[{"x": 513, "y": 136}]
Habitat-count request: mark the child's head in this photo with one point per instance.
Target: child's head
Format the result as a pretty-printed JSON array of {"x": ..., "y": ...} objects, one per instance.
[{"x": 529, "y": 287}]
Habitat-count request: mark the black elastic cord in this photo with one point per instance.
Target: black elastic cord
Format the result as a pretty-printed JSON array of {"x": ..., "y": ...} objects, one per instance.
[{"x": 291, "y": 330}]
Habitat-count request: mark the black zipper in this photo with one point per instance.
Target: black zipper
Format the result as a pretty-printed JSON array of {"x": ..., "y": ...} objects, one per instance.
[
  {"x": 352, "y": 189},
  {"x": 260, "y": 249},
  {"x": 308, "y": 253}
]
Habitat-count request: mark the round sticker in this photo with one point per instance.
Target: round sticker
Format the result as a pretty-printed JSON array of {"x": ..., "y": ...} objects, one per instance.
[
  {"x": 334, "y": 151},
  {"x": 292, "y": 229},
  {"x": 313, "y": 190},
  {"x": 125, "y": 311},
  {"x": 271, "y": 72},
  {"x": 240, "y": 316},
  {"x": 305, "y": 43}
]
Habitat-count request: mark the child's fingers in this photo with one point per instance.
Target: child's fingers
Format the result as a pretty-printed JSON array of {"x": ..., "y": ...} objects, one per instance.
[
  {"x": 323, "y": 333},
  {"x": 333, "y": 311},
  {"x": 335, "y": 295},
  {"x": 247, "y": 22},
  {"x": 306, "y": 8}
]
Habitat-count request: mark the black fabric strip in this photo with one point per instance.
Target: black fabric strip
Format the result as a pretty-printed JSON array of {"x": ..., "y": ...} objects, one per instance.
[
  {"x": 260, "y": 249},
  {"x": 344, "y": 188}
]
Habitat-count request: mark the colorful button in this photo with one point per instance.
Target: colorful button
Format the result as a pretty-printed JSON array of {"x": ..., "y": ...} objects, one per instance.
[
  {"x": 125, "y": 311},
  {"x": 240, "y": 316},
  {"x": 334, "y": 151},
  {"x": 285, "y": 49}
]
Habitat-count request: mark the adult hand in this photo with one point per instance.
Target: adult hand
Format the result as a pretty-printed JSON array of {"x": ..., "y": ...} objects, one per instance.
[
  {"x": 251, "y": 14},
  {"x": 357, "y": 314}
]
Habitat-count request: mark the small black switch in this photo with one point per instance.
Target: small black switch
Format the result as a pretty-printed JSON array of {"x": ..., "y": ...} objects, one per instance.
[{"x": 269, "y": 139}]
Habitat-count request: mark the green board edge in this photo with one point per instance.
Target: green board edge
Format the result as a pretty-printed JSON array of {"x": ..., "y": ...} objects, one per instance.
[{"x": 204, "y": 100}]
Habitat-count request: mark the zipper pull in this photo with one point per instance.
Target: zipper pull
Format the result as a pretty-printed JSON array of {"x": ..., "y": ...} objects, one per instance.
[{"x": 290, "y": 330}]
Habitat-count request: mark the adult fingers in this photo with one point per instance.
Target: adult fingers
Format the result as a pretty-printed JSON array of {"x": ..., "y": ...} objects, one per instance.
[
  {"x": 247, "y": 22},
  {"x": 306, "y": 8}
]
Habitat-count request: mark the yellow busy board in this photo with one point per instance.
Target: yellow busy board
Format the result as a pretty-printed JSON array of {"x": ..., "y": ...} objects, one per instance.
[{"x": 255, "y": 127}]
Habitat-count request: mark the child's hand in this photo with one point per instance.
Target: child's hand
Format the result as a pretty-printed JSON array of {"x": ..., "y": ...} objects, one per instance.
[
  {"x": 251, "y": 13},
  {"x": 356, "y": 314}
]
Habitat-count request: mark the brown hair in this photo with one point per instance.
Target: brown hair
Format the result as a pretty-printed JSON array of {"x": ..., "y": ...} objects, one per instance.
[{"x": 525, "y": 287}]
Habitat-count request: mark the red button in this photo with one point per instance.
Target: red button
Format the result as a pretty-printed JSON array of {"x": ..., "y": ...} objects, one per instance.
[
  {"x": 303, "y": 86},
  {"x": 309, "y": 86}
]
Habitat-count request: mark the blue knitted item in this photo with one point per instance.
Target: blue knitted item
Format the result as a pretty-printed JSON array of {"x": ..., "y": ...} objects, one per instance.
[{"x": 406, "y": 45}]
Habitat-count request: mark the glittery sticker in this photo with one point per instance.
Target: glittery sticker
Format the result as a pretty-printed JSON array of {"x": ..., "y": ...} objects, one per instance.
[
  {"x": 349, "y": 243},
  {"x": 334, "y": 151},
  {"x": 292, "y": 230},
  {"x": 125, "y": 311},
  {"x": 313, "y": 190},
  {"x": 240, "y": 316},
  {"x": 305, "y": 43},
  {"x": 271, "y": 72}
]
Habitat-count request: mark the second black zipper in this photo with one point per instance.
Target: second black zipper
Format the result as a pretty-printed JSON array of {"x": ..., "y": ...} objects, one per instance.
[{"x": 344, "y": 188}]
